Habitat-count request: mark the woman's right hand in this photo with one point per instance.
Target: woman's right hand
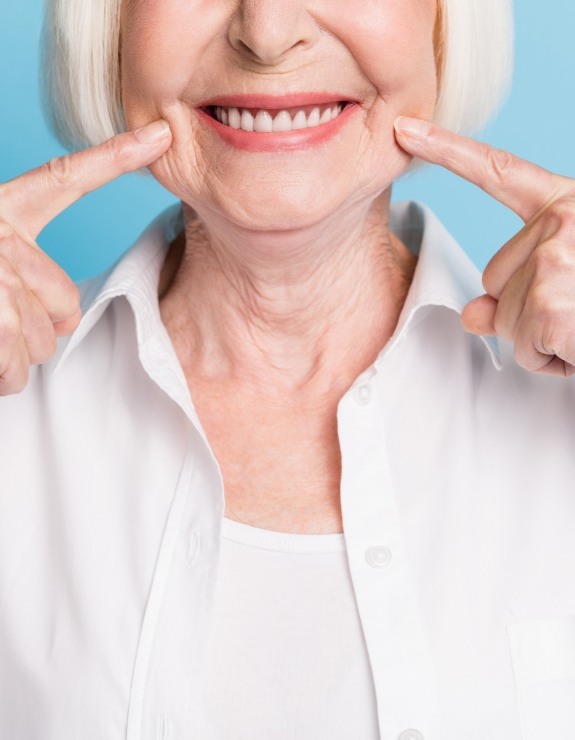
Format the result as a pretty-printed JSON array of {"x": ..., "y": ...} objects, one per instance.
[{"x": 38, "y": 301}]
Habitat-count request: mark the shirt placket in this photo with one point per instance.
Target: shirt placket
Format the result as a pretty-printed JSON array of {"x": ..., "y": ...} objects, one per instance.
[
  {"x": 170, "y": 661},
  {"x": 403, "y": 673}
]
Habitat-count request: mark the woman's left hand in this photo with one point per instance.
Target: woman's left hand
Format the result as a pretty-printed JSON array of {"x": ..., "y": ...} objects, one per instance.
[{"x": 530, "y": 282}]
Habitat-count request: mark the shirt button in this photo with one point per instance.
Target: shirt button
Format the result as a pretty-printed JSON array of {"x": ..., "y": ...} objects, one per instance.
[
  {"x": 193, "y": 547},
  {"x": 410, "y": 735},
  {"x": 362, "y": 395},
  {"x": 379, "y": 556}
]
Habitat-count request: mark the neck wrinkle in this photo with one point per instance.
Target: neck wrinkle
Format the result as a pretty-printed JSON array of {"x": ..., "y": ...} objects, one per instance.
[{"x": 316, "y": 316}]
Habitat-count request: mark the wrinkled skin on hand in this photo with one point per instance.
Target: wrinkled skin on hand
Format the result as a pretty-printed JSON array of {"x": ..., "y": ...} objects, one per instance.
[
  {"x": 38, "y": 301},
  {"x": 530, "y": 281}
]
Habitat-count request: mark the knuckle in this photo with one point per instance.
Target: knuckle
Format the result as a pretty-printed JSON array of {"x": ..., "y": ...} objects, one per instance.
[
  {"x": 6, "y": 230},
  {"x": 567, "y": 217},
  {"x": 560, "y": 218},
  {"x": 551, "y": 219},
  {"x": 10, "y": 328},
  {"x": 551, "y": 322},
  {"x": 552, "y": 339},
  {"x": 115, "y": 147},
  {"x": 543, "y": 303},
  {"x": 550, "y": 257},
  {"x": 10, "y": 283},
  {"x": 499, "y": 164},
  {"x": 60, "y": 171},
  {"x": 117, "y": 151}
]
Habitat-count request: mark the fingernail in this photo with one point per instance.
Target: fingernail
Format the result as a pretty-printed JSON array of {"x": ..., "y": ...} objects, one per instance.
[
  {"x": 153, "y": 132},
  {"x": 412, "y": 127}
]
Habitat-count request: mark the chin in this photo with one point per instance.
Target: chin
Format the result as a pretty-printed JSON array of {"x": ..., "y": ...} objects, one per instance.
[
  {"x": 281, "y": 208},
  {"x": 281, "y": 198}
]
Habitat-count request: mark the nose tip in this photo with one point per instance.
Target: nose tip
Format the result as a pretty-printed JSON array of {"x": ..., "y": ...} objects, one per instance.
[{"x": 267, "y": 30}]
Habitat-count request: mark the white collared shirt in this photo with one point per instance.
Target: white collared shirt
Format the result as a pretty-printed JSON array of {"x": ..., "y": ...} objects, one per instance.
[{"x": 458, "y": 504}]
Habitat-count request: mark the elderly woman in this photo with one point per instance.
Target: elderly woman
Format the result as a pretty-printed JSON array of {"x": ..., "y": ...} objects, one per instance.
[{"x": 270, "y": 488}]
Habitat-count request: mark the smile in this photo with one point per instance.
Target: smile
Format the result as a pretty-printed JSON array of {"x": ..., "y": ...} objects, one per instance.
[
  {"x": 286, "y": 123},
  {"x": 276, "y": 121}
]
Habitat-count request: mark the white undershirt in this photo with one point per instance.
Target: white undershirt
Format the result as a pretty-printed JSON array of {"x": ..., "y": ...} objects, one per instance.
[{"x": 286, "y": 656}]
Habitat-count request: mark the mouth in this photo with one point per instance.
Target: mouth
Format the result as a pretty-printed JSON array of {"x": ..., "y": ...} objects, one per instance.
[
  {"x": 268, "y": 121},
  {"x": 277, "y": 123}
]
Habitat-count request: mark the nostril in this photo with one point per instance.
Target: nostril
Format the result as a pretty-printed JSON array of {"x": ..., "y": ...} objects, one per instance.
[{"x": 244, "y": 48}]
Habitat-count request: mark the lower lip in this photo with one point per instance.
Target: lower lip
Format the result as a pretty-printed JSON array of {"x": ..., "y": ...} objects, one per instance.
[{"x": 304, "y": 138}]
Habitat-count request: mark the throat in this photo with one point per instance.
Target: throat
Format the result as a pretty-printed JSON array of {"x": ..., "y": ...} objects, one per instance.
[{"x": 325, "y": 316}]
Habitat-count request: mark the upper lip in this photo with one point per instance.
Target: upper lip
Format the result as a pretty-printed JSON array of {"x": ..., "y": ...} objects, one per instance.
[{"x": 276, "y": 102}]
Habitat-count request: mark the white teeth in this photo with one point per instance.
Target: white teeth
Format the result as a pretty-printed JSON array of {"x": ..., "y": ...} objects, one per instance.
[
  {"x": 300, "y": 120},
  {"x": 282, "y": 121},
  {"x": 313, "y": 118},
  {"x": 247, "y": 121},
  {"x": 265, "y": 121},
  {"x": 234, "y": 118}
]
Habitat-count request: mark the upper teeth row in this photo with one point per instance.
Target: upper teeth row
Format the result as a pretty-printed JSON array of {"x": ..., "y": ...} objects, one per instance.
[{"x": 267, "y": 121}]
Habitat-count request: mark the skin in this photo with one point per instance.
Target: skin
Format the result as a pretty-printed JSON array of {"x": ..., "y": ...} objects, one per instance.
[
  {"x": 529, "y": 282},
  {"x": 264, "y": 310},
  {"x": 38, "y": 301},
  {"x": 260, "y": 293},
  {"x": 276, "y": 47}
]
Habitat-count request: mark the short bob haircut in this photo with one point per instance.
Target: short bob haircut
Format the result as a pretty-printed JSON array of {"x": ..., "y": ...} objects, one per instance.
[{"x": 81, "y": 69}]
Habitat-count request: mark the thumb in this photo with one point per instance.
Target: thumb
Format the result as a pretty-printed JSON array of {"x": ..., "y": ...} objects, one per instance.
[{"x": 478, "y": 317}]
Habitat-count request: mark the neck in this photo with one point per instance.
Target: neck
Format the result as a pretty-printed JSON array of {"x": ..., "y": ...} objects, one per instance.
[{"x": 285, "y": 311}]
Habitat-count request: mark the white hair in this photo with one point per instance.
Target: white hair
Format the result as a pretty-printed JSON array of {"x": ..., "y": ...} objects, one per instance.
[{"x": 81, "y": 66}]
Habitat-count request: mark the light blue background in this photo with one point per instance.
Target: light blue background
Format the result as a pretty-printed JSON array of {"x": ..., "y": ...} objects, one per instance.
[{"x": 537, "y": 123}]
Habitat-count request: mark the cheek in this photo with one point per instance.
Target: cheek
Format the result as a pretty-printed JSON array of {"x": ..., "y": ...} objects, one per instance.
[
  {"x": 393, "y": 44},
  {"x": 162, "y": 45},
  {"x": 384, "y": 46}
]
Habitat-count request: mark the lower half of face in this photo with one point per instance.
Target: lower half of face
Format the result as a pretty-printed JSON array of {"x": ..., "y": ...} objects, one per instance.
[{"x": 281, "y": 111}]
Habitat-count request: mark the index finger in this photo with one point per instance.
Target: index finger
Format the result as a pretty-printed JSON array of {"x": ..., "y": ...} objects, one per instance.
[
  {"x": 520, "y": 185},
  {"x": 31, "y": 201}
]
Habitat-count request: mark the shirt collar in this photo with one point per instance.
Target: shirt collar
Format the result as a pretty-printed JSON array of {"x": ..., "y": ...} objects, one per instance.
[
  {"x": 135, "y": 276},
  {"x": 444, "y": 276}
]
